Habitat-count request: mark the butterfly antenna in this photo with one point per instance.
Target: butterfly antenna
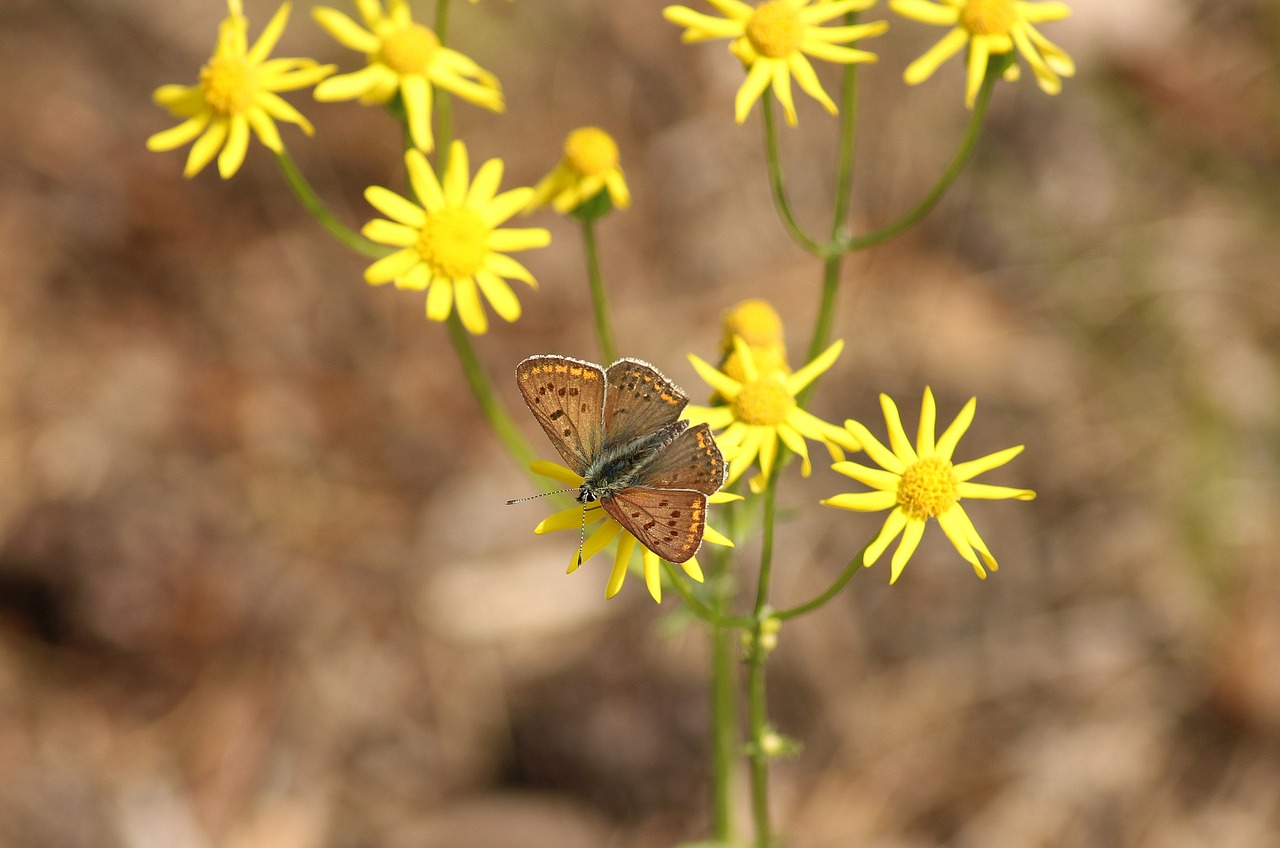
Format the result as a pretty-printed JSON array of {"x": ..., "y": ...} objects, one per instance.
[
  {"x": 543, "y": 495},
  {"x": 582, "y": 536}
]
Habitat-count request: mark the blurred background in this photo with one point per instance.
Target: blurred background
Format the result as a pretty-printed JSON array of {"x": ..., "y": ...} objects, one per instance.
[{"x": 258, "y": 585}]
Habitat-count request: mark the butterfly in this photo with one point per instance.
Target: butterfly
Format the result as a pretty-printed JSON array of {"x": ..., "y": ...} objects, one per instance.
[{"x": 618, "y": 429}]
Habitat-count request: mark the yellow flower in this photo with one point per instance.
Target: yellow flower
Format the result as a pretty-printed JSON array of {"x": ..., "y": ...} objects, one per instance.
[
  {"x": 572, "y": 519},
  {"x": 760, "y": 326},
  {"x": 922, "y": 483},
  {"x": 761, "y": 410},
  {"x": 406, "y": 57},
  {"x": 989, "y": 26},
  {"x": 773, "y": 39},
  {"x": 236, "y": 93},
  {"x": 450, "y": 242},
  {"x": 589, "y": 166}
]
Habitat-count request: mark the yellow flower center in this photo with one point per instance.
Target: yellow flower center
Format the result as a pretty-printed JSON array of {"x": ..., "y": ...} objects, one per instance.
[
  {"x": 928, "y": 488},
  {"x": 775, "y": 30},
  {"x": 228, "y": 85},
  {"x": 590, "y": 152},
  {"x": 454, "y": 243},
  {"x": 765, "y": 401},
  {"x": 989, "y": 17},
  {"x": 410, "y": 50}
]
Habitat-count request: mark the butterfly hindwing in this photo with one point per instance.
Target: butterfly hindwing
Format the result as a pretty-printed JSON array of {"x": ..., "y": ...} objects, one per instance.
[
  {"x": 689, "y": 461},
  {"x": 567, "y": 397},
  {"x": 668, "y": 522},
  {"x": 638, "y": 401}
]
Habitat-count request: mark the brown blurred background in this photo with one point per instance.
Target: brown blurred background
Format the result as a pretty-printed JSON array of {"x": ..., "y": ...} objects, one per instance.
[{"x": 258, "y": 586}]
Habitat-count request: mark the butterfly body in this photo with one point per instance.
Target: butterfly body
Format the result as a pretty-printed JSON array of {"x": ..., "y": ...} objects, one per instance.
[
  {"x": 619, "y": 429},
  {"x": 619, "y": 467}
]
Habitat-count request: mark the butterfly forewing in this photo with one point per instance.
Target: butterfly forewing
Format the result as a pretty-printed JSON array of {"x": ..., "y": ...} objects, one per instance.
[
  {"x": 690, "y": 461},
  {"x": 669, "y": 523},
  {"x": 639, "y": 400},
  {"x": 567, "y": 397}
]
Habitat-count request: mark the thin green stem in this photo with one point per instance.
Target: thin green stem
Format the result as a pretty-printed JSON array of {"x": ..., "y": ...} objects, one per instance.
[
  {"x": 757, "y": 706},
  {"x": 726, "y": 737},
  {"x": 967, "y": 145},
  {"x": 788, "y": 218},
  {"x": 825, "y": 318},
  {"x": 313, "y": 204},
  {"x": 696, "y": 606},
  {"x": 724, "y": 731},
  {"x": 855, "y": 565},
  {"x": 488, "y": 399},
  {"x": 604, "y": 331},
  {"x": 443, "y": 105},
  {"x": 848, "y": 133},
  {"x": 840, "y": 217},
  {"x": 758, "y": 719}
]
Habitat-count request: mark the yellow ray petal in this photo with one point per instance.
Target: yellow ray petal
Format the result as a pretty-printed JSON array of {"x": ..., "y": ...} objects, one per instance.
[
  {"x": 395, "y": 207},
  {"x": 974, "y": 467},
  {"x": 951, "y": 437},
  {"x": 911, "y": 536}
]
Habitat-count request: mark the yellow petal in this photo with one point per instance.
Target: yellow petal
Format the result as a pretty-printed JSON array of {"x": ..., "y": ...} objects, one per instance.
[
  {"x": 395, "y": 207},
  {"x": 512, "y": 239},
  {"x": 270, "y": 35},
  {"x": 911, "y": 536},
  {"x": 388, "y": 268},
  {"x": 897, "y": 436},
  {"x": 346, "y": 31},
  {"x": 232, "y": 155},
  {"x": 439, "y": 299},
  {"x": 500, "y": 296},
  {"x": 416, "y": 94},
  {"x": 893, "y": 525},
  {"x": 968, "y": 470},
  {"x": 424, "y": 182},
  {"x": 467, "y": 299},
  {"x": 179, "y": 135},
  {"x": 949, "y": 45},
  {"x": 948, "y": 440},
  {"x": 621, "y": 558},
  {"x": 206, "y": 147},
  {"x": 862, "y": 501},
  {"x": 752, "y": 87}
]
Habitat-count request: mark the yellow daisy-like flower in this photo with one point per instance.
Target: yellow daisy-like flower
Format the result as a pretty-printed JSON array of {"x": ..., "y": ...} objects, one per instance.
[
  {"x": 236, "y": 94},
  {"x": 405, "y": 57},
  {"x": 761, "y": 410},
  {"x": 451, "y": 244},
  {"x": 589, "y": 166},
  {"x": 572, "y": 518},
  {"x": 774, "y": 39},
  {"x": 990, "y": 26},
  {"x": 922, "y": 483}
]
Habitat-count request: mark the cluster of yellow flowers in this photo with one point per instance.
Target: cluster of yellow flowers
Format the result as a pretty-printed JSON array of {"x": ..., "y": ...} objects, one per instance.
[{"x": 447, "y": 238}]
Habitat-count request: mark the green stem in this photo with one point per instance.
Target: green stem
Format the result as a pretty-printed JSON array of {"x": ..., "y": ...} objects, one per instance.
[
  {"x": 492, "y": 407},
  {"x": 825, "y": 319},
  {"x": 726, "y": 737},
  {"x": 757, "y": 706},
  {"x": 443, "y": 105},
  {"x": 798, "y": 235},
  {"x": 848, "y": 130},
  {"x": 312, "y": 203},
  {"x": 931, "y": 199},
  {"x": 840, "y": 217},
  {"x": 696, "y": 606},
  {"x": 855, "y": 565},
  {"x": 608, "y": 347}
]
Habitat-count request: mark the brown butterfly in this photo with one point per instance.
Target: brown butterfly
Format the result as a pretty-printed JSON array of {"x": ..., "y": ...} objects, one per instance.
[{"x": 619, "y": 430}]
